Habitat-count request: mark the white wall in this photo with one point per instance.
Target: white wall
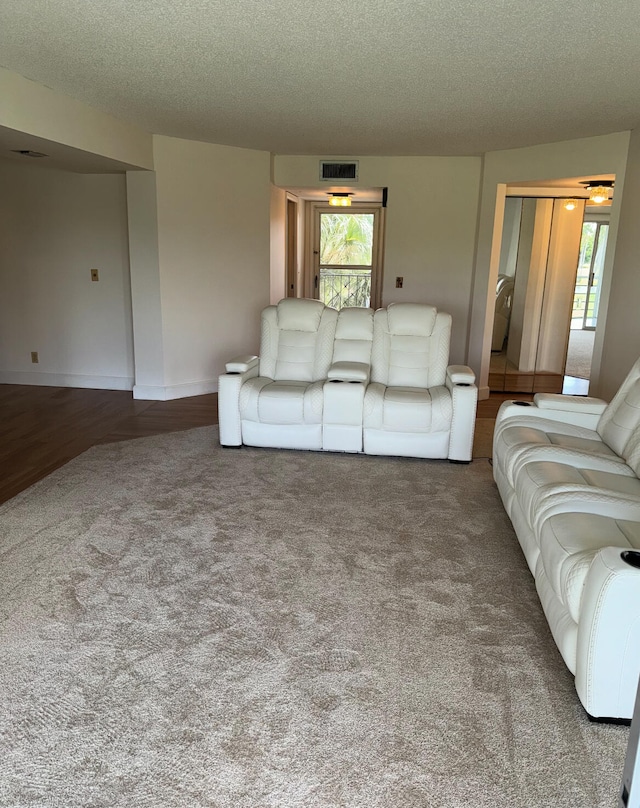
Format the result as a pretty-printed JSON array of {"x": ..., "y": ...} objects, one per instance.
[
  {"x": 430, "y": 226},
  {"x": 278, "y": 236},
  {"x": 54, "y": 228},
  {"x": 34, "y": 109},
  {"x": 148, "y": 337},
  {"x": 621, "y": 345},
  {"x": 213, "y": 251},
  {"x": 575, "y": 158}
]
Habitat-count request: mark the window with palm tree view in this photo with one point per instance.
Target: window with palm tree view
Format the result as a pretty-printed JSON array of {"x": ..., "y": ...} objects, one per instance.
[{"x": 346, "y": 258}]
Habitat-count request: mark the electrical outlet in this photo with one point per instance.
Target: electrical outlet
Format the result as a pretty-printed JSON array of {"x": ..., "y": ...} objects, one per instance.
[
  {"x": 399, "y": 282},
  {"x": 94, "y": 275},
  {"x": 34, "y": 357}
]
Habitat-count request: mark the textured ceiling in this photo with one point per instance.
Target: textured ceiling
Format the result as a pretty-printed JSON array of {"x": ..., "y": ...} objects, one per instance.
[{"x": 339, "y": 77}]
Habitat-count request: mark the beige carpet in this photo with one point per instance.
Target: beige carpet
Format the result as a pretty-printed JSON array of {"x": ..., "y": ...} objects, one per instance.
[{"x": 185, "y": 626}]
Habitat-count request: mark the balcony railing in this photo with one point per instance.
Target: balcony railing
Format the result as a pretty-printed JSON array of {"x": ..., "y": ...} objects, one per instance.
[
  {"x": 585, "y": 302},
  {"x": 340, "y": 289}
]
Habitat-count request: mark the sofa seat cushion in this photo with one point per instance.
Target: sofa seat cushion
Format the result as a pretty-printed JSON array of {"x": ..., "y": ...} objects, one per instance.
[
  {"x": 568, "y": 543},
  {"x": 407, "y": 409},
  {"x": 514, "y": 437},
  {"x": 265, "y": 401},
  {"x": 538, "y": 479}
]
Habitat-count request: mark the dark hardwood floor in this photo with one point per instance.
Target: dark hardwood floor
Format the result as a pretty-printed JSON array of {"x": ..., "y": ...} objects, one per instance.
[
  {"x": 42, "y": 428},
  {"x": 488, "y": 407}
]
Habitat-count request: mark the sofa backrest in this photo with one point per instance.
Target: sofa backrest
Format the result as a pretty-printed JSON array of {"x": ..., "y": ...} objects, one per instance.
[
  {"x": 410, "y": 345},
  {"x": 354, "y": 335},
  {"x": 296, "y": 343},
  {"x": 619, "y": 425}
]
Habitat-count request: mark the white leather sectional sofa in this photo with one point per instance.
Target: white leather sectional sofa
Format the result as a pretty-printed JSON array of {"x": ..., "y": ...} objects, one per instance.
[
  {"x": 351, "y": 381},
  {"x": 567, "y": 471}
]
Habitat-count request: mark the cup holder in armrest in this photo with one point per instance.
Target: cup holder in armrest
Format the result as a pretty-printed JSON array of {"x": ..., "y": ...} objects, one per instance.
[
  {"x": 233, "y": 373},
  {"x": 336, "y": 381},
  {"x": 522, "y": 403},
  {"x": 463, "y": 384},
  {"x": 631, "y": 557}
]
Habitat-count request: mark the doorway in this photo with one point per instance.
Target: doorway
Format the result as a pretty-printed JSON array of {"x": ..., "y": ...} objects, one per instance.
[
  {"x": 593, "y": 246},
  {"x": 586, "y": 300},
  {"x": 347, "y": 256}
]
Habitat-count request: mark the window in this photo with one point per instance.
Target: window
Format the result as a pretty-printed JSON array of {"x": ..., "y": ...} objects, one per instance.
[{"x": 346, "y": 253}]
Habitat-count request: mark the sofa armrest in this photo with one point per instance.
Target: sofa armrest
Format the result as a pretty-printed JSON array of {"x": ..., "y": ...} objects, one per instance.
[
  {"x": 464, "y": 396},
  {"x": 460, "y": 374},
  {"x": 239, "y": 370},
  {"x": 241, "y": 364},
  {"x": 570, "y": 413},
  {"x": 349, "y": 372},
  {"x": 608, "y": 648},
  {"x": 556, "y": 401}
]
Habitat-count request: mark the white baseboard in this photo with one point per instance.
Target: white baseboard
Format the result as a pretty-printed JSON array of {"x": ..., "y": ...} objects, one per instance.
[
  {"x": 147, "y": 392},
  {"x": 66, "y": 380},
  {"x": 483, "y": 392}
]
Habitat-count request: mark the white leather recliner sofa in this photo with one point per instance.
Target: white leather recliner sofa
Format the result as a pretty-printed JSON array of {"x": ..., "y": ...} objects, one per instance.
[
  {"x": 351, "y": 381},
  {"x": 567, "y": 471}
]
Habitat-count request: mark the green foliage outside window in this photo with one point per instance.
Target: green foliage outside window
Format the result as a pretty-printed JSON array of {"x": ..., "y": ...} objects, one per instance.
[
  {"x": 346, "y": 239},
  {"x": 346, "y": 252}
]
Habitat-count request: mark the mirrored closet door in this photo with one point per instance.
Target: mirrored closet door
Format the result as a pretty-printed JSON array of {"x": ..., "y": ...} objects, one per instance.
[{"x": 535, "y": 294}]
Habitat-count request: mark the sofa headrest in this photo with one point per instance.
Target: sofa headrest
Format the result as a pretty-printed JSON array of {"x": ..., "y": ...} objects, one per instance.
[
  {"x": 355, "y": 323},
  {"x": 411, "y": 319},
  {"x": 299, "y": 314}
]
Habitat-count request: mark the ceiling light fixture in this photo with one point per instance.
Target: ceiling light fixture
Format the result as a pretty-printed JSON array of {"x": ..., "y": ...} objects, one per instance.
[
  {"x": 570, "y": 204},
  {"x": 340, "y": 200},
  {"x": 598, "y": 190}
]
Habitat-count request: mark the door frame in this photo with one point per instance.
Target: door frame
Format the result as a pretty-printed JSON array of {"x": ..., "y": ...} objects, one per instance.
[
  {"x": 291, "y": 246},
  {"x": 312, "y": 244}
]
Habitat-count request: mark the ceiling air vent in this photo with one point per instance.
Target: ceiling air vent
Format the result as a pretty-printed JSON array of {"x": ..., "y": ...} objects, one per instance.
[
  {"x": 331, "y": 170},
  {"x": 29, "y": 153}
]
